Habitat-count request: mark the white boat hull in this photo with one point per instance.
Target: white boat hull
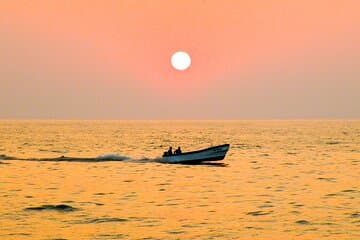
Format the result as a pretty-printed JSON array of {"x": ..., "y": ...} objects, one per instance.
[{"x": 210, "y": 154}]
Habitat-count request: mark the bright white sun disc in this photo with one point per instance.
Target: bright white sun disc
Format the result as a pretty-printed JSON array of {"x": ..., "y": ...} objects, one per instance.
[{"x": 180, "y": 60}]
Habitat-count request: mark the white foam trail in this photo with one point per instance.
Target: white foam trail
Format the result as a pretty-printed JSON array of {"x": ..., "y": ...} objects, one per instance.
[{"x": 112, "y": 157}]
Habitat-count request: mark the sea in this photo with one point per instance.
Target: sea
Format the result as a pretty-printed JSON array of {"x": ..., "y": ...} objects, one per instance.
[{"x": 105, "y": 180}]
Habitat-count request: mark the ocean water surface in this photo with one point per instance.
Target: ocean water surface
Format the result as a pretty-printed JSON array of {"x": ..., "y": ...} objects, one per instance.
[{"x": 279, "y": 180}]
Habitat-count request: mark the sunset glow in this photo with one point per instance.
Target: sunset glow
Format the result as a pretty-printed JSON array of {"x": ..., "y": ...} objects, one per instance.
[{"x": 254, "y": 59}]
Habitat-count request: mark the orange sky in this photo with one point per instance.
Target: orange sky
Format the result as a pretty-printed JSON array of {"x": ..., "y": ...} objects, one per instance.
[{"x": 111, "y": 59}]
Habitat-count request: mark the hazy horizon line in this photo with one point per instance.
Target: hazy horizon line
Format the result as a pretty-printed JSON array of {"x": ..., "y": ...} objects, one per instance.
[{"x": 240, "y": 119}]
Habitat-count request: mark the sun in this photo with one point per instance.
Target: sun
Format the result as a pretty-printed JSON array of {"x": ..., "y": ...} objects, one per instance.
[{"x": 180, "y": 60}]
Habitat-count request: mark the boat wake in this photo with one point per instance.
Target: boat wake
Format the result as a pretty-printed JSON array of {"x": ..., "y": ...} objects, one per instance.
[{"x": 100, "y": 158}]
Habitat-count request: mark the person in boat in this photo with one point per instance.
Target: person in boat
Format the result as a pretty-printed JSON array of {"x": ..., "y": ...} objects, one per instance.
[
  {"x": 170, "y": 152},
  {"x": 177, "y": 151}
]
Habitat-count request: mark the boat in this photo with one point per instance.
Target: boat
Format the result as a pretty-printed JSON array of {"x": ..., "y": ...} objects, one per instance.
[{"x": 215, "y": 153}]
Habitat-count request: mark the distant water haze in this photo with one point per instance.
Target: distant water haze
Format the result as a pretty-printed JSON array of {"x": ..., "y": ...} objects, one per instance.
[{"x": 279, "y": 180}]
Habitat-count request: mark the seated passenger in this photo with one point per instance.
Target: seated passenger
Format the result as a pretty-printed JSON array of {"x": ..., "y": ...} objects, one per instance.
[
  {"x": 178, "y": 151},
  {"x": 170, "y": 153}
]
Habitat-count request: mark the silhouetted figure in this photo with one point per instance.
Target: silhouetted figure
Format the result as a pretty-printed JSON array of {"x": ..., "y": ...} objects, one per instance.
[
  {"x": 169, "y": 152},
  {"x": 178, "y": 151}
]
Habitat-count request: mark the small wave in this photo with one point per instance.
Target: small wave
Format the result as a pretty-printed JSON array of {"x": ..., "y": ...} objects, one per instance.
[
  {"x": 60, "y": 208},
  {"x": 333, "y": 142},
  {"x": 5, "y": 157},
  {"x": 303, "y": 222},
  {"x": 106, "y": 220},
  {"x": 258, "y": 213}
]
